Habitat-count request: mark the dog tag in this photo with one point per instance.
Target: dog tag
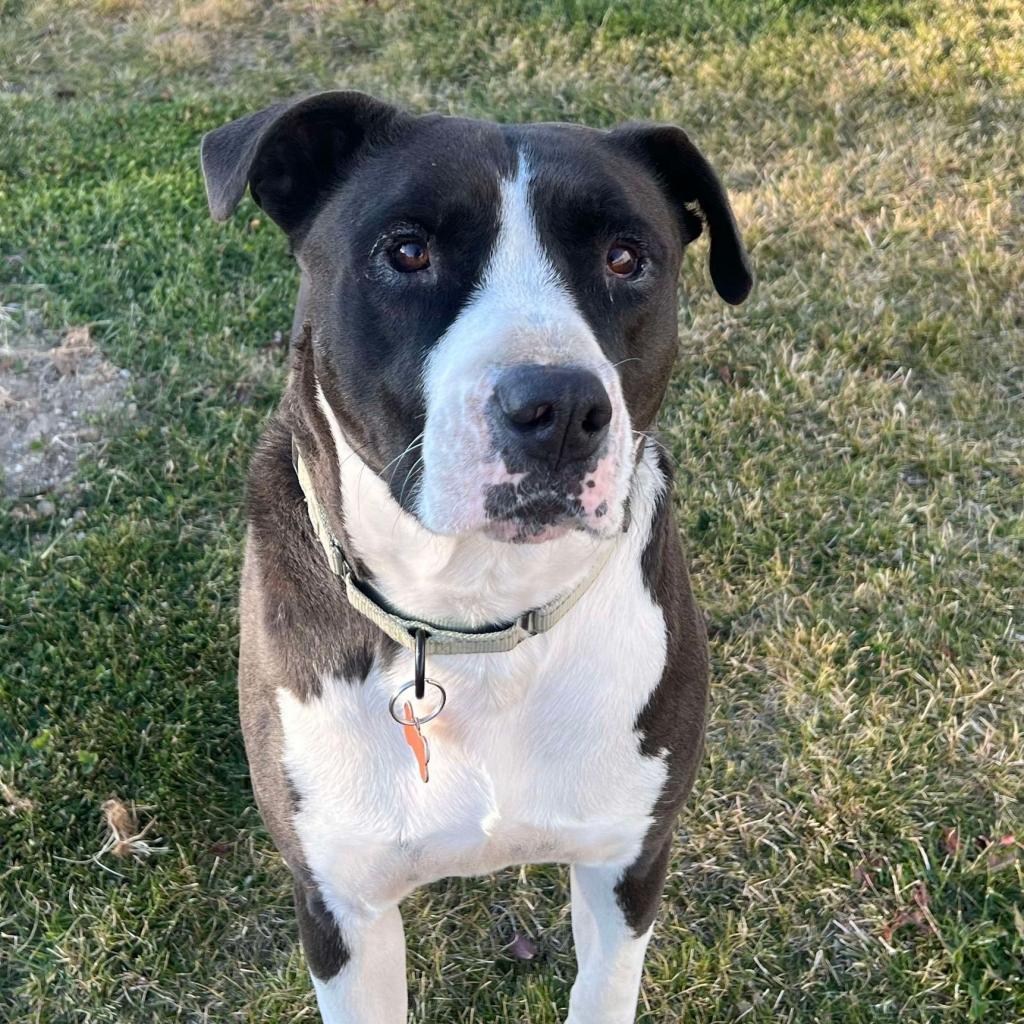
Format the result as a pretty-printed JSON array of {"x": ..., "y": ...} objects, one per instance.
[{"x": 417, "y": 741}]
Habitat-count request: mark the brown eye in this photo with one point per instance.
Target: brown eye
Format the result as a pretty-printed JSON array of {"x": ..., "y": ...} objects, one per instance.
[
  {"x": 623, "y": 261},
  {"x": 410, "y": 256}
]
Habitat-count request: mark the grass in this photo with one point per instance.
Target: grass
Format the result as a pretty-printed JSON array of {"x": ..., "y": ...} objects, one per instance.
[{"x": 850, "y": 489}]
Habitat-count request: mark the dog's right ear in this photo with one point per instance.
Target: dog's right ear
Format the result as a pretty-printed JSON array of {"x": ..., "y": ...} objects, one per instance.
[{"x": 290, "y": 155}]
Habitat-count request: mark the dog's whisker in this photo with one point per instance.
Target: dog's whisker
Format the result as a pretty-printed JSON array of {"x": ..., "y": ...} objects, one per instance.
[
  {"x": 658, "y": 444},
  {"x": 415, "y": 466},
  {"x": 417, "y": 442},
  {"x": 401, "y": 508},
  {"x": 354, "y": 451}
]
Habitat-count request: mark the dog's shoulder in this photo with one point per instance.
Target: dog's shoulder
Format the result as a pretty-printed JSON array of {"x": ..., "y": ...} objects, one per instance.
[{"x": 293, "y": 607}]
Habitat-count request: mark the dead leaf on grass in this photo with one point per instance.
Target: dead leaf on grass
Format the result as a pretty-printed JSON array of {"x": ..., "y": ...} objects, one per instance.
[
  {"x": 13, "y": 800},
  {"x": 522, "y": 947},
  {"x": 125, "y": 839},
  {"x": 914, "y": 917},
  {"x": 1002, "y": 853},
  {"x": 951, "y": 840},
  {"x": 862, "y": 875},
  {"x": 511, "y": 937}
]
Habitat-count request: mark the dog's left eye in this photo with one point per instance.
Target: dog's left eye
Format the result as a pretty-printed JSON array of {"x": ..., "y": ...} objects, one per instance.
[
  {"x": 409, "y": 256},
  {"x": 622, "y": 260}
]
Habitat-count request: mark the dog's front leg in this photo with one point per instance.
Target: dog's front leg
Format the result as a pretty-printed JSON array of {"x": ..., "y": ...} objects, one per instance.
[
  {"x": 612, "y": 918},
  {"x": 357, "y": 963}
]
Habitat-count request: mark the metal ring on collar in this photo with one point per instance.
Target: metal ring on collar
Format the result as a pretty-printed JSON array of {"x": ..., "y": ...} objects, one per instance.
[{"x": 426, "y": 718}]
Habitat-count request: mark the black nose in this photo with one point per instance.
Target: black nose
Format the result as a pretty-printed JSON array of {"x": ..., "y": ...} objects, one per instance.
[{"x": 556, "y": 414}]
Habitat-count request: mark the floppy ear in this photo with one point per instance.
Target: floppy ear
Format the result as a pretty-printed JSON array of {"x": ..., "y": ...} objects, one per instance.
[
  {"x": 689, "y": 180},
  {"x": 290, "y": 154}
]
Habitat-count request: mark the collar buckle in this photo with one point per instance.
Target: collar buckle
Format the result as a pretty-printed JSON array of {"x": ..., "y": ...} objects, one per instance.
[{"x": 528, "y": 622}]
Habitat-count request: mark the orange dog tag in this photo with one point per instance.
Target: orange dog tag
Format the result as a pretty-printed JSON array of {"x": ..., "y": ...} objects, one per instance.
[{"x": 417, "y": 741}]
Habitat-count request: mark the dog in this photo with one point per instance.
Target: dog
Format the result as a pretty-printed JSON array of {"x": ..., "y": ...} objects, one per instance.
[{"x": 468, "y": 638}]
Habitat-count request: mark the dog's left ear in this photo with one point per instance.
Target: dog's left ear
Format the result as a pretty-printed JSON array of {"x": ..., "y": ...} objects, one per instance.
[
  {"x": 290, "y": 155},
  {"x": 689, "y": 180}
]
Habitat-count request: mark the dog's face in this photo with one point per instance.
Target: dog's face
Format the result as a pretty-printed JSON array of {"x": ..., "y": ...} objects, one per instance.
[{"x": 493, "y": 307}]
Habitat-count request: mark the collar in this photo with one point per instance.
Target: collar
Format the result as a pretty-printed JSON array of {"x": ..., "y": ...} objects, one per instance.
[{"x": 364, "y": 599}]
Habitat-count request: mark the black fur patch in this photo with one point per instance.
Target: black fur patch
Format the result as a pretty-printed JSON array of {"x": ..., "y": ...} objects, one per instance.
[
  {"x": 322, "y": 941},
  {"x": 531, "y": 505},
  {"x": 674, "y": 716},
  {"x": 588, "y": 194}
]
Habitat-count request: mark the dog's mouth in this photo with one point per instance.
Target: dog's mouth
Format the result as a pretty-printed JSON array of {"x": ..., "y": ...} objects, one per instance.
[
  {"x": 529, "y": 511},
  {"x": 531, "y": 518}
]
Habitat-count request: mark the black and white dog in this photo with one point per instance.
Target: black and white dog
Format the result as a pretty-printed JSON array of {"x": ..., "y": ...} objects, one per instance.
[{"x": 468, "y": 638}]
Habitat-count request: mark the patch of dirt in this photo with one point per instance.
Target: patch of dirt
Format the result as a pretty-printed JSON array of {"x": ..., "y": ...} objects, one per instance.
[{"x": 53, "y": 390}]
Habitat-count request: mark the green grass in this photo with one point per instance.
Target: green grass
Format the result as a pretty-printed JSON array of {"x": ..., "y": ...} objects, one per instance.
[{"x": 850, "y": 489}]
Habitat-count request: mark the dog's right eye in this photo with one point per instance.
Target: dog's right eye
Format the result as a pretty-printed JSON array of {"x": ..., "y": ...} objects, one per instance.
[{"x": 409, "y": 256}]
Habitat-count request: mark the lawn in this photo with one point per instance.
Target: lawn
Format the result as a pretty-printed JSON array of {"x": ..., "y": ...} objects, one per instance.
[{"x": 850, "y": 489}]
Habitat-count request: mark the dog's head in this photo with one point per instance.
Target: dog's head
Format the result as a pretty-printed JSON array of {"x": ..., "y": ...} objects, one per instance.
[{"x": 493, "y": 307}]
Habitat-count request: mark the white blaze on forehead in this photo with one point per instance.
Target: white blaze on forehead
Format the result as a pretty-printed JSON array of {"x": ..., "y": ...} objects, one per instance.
[
  {"x": 521, "y": 312},
  {"x": 520, "y": 280}
]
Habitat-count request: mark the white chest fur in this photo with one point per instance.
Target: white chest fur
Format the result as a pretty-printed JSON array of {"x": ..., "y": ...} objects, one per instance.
[{"x": 535, "y": 758}]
